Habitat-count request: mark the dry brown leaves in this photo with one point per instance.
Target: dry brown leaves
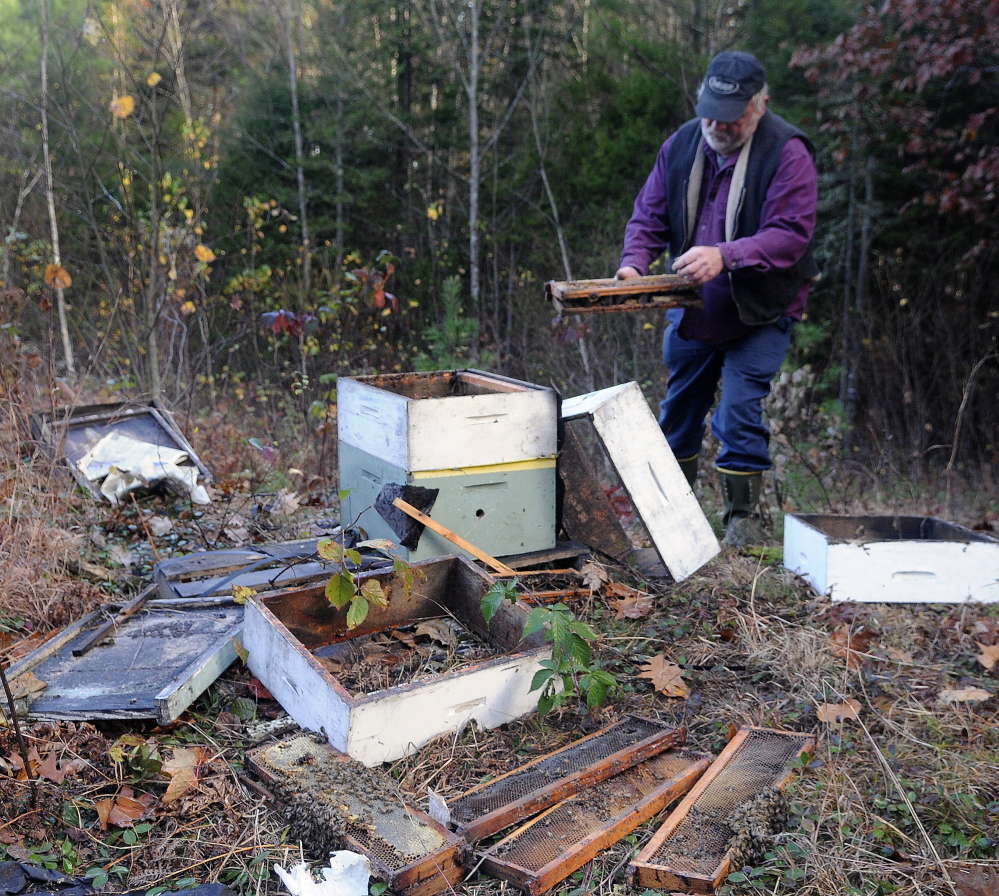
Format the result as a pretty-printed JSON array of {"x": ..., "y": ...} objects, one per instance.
[
  {"x": 975, "y": 880},
  {"x": 184, "y": 768},
  {"x": 124, "y": 809},
  {"x": 850, "y": 644},
  {"x": 666, "y": 677},
  {"x": 831, "y": 713},
  {"x": 989, "y": 655}
]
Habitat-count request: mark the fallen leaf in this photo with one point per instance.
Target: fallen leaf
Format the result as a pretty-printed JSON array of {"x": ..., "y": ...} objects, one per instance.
[
  {"x": 240, "y": 593},
  {"x": 900, "y": 656},
  {"x": 850, "y": 644},
  {"x": 25, "y": 685},
  {"x": 159, "y": 525},
  {"x": 636, "y": 607},
  {"x": 57, "y": 277},
  {"x": 256, "y": 687},
  {"x": 666, "y": 677},
  {"x": 594, "y": 576},
  {"x": 235, "y": 529},
  {"x": 989, "y": 655},
  {"x": 439, "y": 630},
  {"x": 963, "y": 695},
  {"x": 123, "y": 810},
  {"x": 121, "y": 555},
  {"x": 122, "y": 106},
  {"x": 404, "y": 637},
  {"x": 53, "y": 770},
  {"x": 838, "y": 712},
  {"x": 975, "y": 880},
  {"x": 286, "y": 503},
  {"x": 379, "y": 544},
  {"x": 184, "y": 768}
]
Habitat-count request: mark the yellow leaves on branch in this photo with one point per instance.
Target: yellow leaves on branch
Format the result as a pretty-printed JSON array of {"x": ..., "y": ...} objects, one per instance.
[
  {"x": 154, "y": 79},
  {"x": 57, "y": 277},
  {"x": 666, "y": 677},
  {"x": 122, "y": 106},
  {"x": 204, "y": 254}
]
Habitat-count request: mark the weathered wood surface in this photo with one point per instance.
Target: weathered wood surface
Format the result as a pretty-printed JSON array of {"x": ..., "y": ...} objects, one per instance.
[
  {"x": 159, "y": 661},
  {"x": 455, "y": 430},
  {"x": 755, "y": 761},
  {"x": 607, "y": 296},
  {"x": 583, "y": 826},
  {"x": 891, "y": 559},
  {"x": 539, "y": 784},
  {"x": 655, "y": 483},
  {"x": 282, "y": 629}
]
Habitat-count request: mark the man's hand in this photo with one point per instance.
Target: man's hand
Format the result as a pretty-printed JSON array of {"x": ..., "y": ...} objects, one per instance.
[
  {"x": 700, "y": 264},
  {"x": 626, "y": 273}
]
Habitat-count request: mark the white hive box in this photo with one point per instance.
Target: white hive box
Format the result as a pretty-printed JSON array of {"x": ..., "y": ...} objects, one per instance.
[
  {"x": 486, "y": 443},
  {"x": 891, "y": 559},
  {"x": 285, "y": 633}
]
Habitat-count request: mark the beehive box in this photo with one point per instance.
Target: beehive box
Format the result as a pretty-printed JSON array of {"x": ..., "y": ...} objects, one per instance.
[
  {"x": 283, "y": 630},
  {"x": 486, "y": 442},
  {"x": 892, "y": 559}
]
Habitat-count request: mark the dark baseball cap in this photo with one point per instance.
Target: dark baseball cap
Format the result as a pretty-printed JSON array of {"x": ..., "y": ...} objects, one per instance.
[{"x": 733, "y": 79}]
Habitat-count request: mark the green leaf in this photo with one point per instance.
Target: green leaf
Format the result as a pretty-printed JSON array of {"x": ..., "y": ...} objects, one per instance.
[
  {"x": 358, "y": 612},
  {"x": 493, "y": 599},
  {"x": 373, "y": 593},
  {"x": 578, "y": 650},
  {"x": 595, "y": 690},
  {"x": 546, "y": 702},
  {"x": 536, "y": 620},
  {"x": 737, "y": 877},
  {"x": 353, "y": 556},
  {"x": 541, "y": 678},
  {"x": 243, "y": 709},
  {"x": 330, "y": 549},
  {"x": 583, "y": 630},
  {"x": 340, "y": 589}
]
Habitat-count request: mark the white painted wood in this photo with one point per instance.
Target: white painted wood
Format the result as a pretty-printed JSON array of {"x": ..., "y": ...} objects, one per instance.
[
  {"x": 399, "y": 721},
  {"x": 900, "y": 571},
  {"x": 181, "y": 692},
  {"x": 655, "y": 483},
  {"x": 423, "y": 434}
]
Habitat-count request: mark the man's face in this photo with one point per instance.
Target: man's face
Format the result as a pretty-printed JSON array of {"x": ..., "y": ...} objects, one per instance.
[{"x": 727, "y": 137}]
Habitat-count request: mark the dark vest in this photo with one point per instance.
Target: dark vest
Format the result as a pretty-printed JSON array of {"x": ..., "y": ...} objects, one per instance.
[{"x": 761, "y": 298}]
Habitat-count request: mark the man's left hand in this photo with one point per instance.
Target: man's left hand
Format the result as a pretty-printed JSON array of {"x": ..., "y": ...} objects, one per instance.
[{"x": 700, "y": 264}]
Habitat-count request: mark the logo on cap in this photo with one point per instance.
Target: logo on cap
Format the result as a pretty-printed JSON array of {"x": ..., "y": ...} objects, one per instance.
[{"x": 722, "y": 85}]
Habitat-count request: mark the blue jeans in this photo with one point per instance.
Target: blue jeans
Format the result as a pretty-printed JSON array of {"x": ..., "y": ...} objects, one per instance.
[{"x": 746, "y": 367}]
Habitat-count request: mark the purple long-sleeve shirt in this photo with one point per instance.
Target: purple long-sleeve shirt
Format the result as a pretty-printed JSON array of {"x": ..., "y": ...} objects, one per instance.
[{"x": 787, "y": 221}]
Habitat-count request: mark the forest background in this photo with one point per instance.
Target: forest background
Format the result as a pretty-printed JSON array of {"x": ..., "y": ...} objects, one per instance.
[{"x": 227, "y": 204}]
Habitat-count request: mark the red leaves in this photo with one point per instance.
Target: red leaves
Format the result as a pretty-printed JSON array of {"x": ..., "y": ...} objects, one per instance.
[{"x": 373, "y": 282}]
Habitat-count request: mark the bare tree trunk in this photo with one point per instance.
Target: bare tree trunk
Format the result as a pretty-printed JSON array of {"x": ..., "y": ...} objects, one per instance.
[
  {"x": 67, "y": 346},
  {"x": 474, "y": 174},
  {"x": 291, "y": 21},
  {"x": 860, "y": 295}
]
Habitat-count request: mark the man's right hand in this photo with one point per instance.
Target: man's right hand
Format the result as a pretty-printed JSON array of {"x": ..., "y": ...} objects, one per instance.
[{"x": 626, "y": 273}]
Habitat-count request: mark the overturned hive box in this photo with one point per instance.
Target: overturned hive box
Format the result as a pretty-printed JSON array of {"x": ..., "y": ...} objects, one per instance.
[
  {"x": 332, "y": 802},
  {"x": 547, "y": 850},
  {"x": 290, "y": 636},
  {"x": 892, "y": 559},
  {"x": 486, "y": 443},
  {"x": 694, "y": 850},
  {"x": 510, "y": 798}
]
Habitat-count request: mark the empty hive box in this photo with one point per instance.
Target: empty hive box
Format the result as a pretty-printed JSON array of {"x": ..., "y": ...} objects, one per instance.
[
  {"x": 508, "y": 799},
  {"x": 892, "y": 559},
  {"x": 331, "y": 802},
  {"x": 486, "y": 443},
  {"x": 296, "y": 640},
  {"x": 548, "y": 849},
  {"x": 702, "y": 839}
]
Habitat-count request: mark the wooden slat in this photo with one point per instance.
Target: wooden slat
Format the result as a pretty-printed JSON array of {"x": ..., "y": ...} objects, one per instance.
[{"x": 611, "y": 295}]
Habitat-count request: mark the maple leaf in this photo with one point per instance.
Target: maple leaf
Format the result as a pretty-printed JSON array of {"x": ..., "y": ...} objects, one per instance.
[
  {"x": 242, "y": 593},
  {"x": 184, "y": 769},
  {"x": 838, "y": 712},
  {"x": 594, "y": 576},
  {"x": 637, "y": 606},
  {"x": 850, "y": 645},
  {"x": 975, "y": 880},
  {"x": 963, "y": 695},
  {"x": 123, "y": 810},
  {"x": 666, "y": 677},
  {"x": 989, "y": 655},
  {"x": 53, "y": 770}
]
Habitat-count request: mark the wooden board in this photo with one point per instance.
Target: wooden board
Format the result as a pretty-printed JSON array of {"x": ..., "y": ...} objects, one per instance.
[
  {"x": 891, "y": 559},
  {"x": 283, "y": 629},
  {"x": 655, "y": 483},
  {"x": 447, "y": 420},
  {"x": 69, "y": 433},
  {"x": 546, "y": 851},
  {"x": 158, "y": 662},
  {"x": 541, "y": 783},
  {"x": 607, "y": 296},
  {"x": 692, "y": 852},
  {"x": 410, "y": 851}
]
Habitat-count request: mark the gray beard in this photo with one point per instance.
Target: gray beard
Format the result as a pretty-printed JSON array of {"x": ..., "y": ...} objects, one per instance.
[{"x": 723, "y": 145}]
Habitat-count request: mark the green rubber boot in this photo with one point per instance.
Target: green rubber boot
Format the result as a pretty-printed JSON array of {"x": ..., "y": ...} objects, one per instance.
[
  {"x": 743, "y": 525},
  {"x": 689, "y": 467}
]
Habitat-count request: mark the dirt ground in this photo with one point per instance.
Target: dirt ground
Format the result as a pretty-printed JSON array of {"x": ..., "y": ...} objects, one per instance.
[{"x": 901, "y": 795}]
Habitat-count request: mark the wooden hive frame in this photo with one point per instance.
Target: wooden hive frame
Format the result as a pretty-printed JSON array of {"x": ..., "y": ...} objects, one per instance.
[
  {"x": 508, "y": 799},
  {"x": 546, "y": 851},
  {"x": 609, "y": 296},
  {"x": 700, "y": 819}
]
